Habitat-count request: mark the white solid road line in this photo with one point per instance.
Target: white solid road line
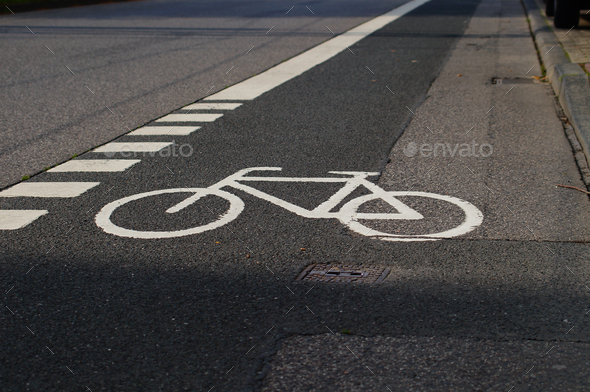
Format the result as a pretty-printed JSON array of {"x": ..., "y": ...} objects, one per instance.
[
  {"x": 212, "y": 106},
  {"x": 190, "y": 117},
  {"x": 266, "y": 81},
  {"x": 95, "y": 165},
  {"x": 163, "y": 131},
  {"x": 48, "y": 189},
  {"x": 17, "y": 219},
  {"x": 133, "y": 147}
]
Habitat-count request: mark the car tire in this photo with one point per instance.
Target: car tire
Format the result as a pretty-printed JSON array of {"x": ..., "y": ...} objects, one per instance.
[
  {"x": 567, "y": 14},
  {"x": 549, "y": 7}
]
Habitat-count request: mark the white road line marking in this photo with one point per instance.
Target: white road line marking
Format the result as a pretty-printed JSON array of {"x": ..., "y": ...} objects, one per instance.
[
  {"x": 266, "y": 81},
  {"x": 212, "y": 106},
  {"x": 48, "y": 189},
  {"x": 95, "y": 165},
  {"x": 17, "y": 219},
  {"x": 163, "y": 130},
  {"x": 190, "y": 117},
  {"x": 133, "y": 147}
]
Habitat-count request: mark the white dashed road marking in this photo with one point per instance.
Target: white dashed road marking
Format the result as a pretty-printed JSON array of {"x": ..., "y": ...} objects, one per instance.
[
  {"x": 190, "y": 117},
  {"x": 17, "y": 219},
  {"x": 133, "y": 147},
  {"x": 246, "y": 90},
  {"x": 212, "y": 106},
  {"x": 266, "y": 81},
  {"x": 95, "y": 165},
  {"x": 171, "y": 130},
  {"x": 48, "y": 189}
]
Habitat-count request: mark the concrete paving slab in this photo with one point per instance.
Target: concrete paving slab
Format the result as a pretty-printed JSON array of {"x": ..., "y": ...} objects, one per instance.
[
  {"x": 411, "y": 363},
  {"x": 501, "y": 147},
  {"x": 576, "y": 42}
]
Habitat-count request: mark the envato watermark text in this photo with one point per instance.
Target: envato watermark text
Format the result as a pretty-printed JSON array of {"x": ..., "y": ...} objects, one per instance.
[
  {"x": 132, "y": 150},
  {"x": 447, "y": 149}
]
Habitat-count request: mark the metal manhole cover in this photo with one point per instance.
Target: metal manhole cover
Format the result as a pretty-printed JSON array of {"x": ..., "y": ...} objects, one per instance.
[{"x": 343, "y": 273}]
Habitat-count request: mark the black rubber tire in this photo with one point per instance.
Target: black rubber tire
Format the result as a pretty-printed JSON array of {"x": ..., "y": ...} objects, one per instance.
[
  {"x": 549, "y": 7},
  {"x": 567, "y": 14}
]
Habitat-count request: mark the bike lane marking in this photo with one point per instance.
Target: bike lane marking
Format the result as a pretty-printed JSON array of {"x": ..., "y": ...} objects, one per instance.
[
  {"x": 252, "y": 88},
  {"x": 473, "y": 218},
  {"x": 103, "y": 218},
  {"x": 95, "y": 165},
  {"x": 133, "y": 147},
  {"x": 163, "y": 131},
  {"x": 190, "y": 117},
  {"x": 48, "y": 189},
  {"x": 212, "y": 106},
  {"x": 17, "y": 219},
  {"x": 348, "y": 213}
]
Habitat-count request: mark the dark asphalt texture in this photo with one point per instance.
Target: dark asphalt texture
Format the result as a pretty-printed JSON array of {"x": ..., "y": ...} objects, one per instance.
[{"x": 209, "y": 310}]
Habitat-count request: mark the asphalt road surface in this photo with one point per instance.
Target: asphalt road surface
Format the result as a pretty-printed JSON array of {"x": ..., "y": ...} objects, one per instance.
[
  {"x": 158, "y": 262},
  {"x": 77, "y": 78}
]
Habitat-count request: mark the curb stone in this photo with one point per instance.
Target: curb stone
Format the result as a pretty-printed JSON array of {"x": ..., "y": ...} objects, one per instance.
[
  {"x": 569, "y": 82},
  {"x": 578, "y": 154}
]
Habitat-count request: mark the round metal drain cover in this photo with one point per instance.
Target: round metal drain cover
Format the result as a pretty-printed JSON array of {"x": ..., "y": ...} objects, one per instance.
[{"x": 343, "y": 273}]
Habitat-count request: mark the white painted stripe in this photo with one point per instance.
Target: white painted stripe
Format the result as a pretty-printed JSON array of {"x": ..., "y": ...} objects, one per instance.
[
  {"x": 212, "y": 106},
  {"x": 133, "y": 147},
  {"x": 190, "y": 117},
  {"x": 266, "y": 81},
  {"x": 48, "y": 189},
  {"x": 164, "y": 130},
  {"x": 95, "y": 165},
  {"x": 17, "y": 219}
]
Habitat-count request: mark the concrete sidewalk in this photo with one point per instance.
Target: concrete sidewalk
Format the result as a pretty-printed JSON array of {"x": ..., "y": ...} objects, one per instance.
[{"x": 522, "y": 153}]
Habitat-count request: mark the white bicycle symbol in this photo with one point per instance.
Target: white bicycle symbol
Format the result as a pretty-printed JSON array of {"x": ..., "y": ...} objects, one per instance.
[{"x": 348, "y": 213}]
